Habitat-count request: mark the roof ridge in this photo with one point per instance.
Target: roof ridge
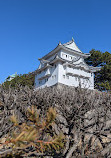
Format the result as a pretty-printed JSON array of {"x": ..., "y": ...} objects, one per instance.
[{"x": 67, "y": 43}]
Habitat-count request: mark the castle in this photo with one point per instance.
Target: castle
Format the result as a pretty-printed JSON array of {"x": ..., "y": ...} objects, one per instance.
[
  {"x": 65, "y": 64},
  {"x": 11, "y": 77}
]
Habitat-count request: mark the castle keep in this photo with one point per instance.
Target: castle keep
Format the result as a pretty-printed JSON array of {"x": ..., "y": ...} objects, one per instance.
[{"x": 65, "y": 64}]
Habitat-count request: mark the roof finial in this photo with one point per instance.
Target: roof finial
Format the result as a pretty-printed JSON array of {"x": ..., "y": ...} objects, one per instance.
[
  {"x": 59, "y": 42},
  {"x": 72, "y": 39}
]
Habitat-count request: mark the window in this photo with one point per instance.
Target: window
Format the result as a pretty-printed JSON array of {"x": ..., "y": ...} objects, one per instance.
[
  {"x": 67, "y": 77},
  {"x": 64, "y": 67},
  {"x": 71, "y": 57},
  {"x": 40, "y": 82},
  {"x": 91, "y": 74},
  {"x": 55, "y": 66},
  {"x": 63, "y": 76},
  {"x": 66, "y": 56},
  {"x": 84, "y": 80},
  {"x": 46, "y": 79},
  {"x": 53, "y": 77}
]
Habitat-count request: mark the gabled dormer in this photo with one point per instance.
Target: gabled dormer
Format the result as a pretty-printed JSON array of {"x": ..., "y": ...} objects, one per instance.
[{"x": 72, "y": 45}]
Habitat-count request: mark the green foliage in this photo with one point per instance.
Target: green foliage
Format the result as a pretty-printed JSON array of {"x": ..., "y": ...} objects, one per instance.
[
  {"x": 103, "y": 77},
  {"x": 24, "y": 80},
  {"x": 95, "y": 58}
]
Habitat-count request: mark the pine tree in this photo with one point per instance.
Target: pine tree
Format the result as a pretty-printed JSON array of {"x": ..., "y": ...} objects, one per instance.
[
  {"x": 103, "y": 77},
  {"x": 35, "y": 136}
]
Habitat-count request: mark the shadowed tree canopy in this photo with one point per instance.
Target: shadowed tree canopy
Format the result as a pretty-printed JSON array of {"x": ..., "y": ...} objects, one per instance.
[
  {"x": 24, "y": 80},
  {"x": 103, "y": 77}
]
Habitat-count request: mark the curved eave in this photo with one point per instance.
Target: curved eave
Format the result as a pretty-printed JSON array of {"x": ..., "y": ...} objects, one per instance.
[
  {"x": 94, "y": 69},
  {"x": 52, "y": 52},
  {"x": 57, "y": 59},
  {"x": 75, "y": 52},
  {"x": 38, "y": 70},
  {"x": 60, "y": 46},
  {"x": 82, "y": 67},
  {"x": 43, "y": 77},
  {"x": 78, "y": 66}
]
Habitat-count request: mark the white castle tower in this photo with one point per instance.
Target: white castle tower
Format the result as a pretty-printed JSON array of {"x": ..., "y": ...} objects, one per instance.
[{"x": 65, "y": 64}]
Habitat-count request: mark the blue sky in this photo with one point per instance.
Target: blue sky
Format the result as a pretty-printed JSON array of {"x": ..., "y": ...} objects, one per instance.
[{"x": 31, "y": 28}]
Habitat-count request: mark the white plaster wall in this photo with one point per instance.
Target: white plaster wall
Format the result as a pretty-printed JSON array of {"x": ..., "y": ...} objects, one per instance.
[
  {"x": 52, "y": 80},
  {"x": 74, "y": 80},
  {"x": 71, "y": 81}
]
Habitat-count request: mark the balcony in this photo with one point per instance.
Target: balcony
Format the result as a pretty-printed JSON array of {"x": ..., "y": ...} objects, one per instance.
[
  {"x": 44, "y": 74},
  {"x": 77, "y": 72}
]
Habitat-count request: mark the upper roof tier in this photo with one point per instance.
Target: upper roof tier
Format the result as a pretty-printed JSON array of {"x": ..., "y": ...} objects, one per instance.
[{"x": 70, "y": 47}]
